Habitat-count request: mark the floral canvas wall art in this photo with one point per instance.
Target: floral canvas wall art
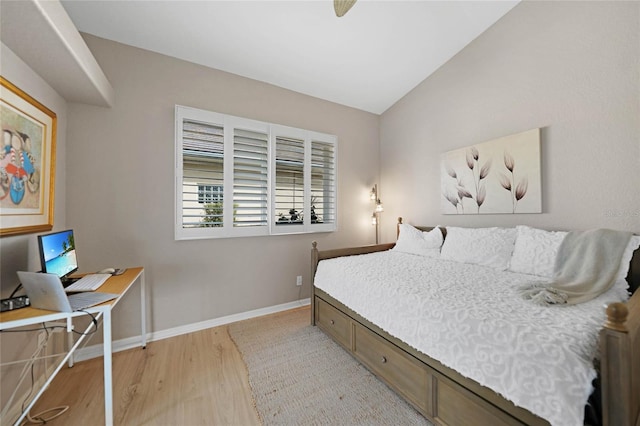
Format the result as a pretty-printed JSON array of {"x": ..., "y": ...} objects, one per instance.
[{"x": 498, "y": 176}]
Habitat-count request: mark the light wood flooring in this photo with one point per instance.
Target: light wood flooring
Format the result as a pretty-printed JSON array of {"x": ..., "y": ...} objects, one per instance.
[{"x": 194, "y": 379}]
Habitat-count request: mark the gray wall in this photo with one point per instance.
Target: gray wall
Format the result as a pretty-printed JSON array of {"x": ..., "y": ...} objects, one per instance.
[
  {"x": 120, "y": 188},
  {"x": 570, "y": 68},
  {"x": 21, "y": 252}
]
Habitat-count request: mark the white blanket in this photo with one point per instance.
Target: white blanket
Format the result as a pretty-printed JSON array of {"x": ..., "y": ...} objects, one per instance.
[
  {"x": 586, "y": 266},
  {"x": 473, "y": 320}
]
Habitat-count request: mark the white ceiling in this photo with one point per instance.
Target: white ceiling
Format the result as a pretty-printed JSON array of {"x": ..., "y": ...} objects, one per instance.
[{"x": 368, "y": 59}]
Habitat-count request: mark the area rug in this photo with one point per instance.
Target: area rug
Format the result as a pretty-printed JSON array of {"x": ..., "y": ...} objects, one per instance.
[{"x": 299, "y": 376}]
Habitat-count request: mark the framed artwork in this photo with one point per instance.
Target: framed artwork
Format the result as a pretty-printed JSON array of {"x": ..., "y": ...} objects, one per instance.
[
  {"x": 27, "y": 162},
  {"x": 498, "y": 176}
]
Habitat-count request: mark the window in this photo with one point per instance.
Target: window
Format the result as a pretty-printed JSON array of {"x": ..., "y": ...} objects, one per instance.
[
  {"x": 278, "y": 180},
  {"x": 323, "y": 184},
  {"x": 289, "y": 177},
  {"x": 304, "y": 185},
  {"x": 250, "y": 178},
  {"x": 202, "y": 153},
  {"x": 209, "y": 194}
]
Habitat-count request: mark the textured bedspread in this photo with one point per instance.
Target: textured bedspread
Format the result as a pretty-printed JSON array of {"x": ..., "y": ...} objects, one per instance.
[{"x": 473, "y": 320}]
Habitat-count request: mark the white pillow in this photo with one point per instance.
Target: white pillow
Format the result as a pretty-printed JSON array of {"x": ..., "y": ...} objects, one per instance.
[
  {"x": 415, "y": 241},
  {"x": 633, "y": 245},
  {"x": 535, "y": 251},
  {"x": 482, "y": 246}
]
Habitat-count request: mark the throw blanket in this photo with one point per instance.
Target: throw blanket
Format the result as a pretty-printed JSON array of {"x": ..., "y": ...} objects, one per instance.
[{"x": 586, "y": 266}]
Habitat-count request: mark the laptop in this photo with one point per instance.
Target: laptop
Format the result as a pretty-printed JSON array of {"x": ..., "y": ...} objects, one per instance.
[{"x": 45, "y": 291}]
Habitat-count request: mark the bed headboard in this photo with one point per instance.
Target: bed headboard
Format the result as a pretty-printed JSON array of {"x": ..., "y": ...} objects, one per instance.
[{"x": 633, "y": 277}]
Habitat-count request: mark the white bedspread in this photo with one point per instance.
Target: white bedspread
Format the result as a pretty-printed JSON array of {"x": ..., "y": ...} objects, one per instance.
[{"x": 472, "y": 319}]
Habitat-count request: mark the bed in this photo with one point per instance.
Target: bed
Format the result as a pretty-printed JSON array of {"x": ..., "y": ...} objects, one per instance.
[{"x": 404, "y": 348}]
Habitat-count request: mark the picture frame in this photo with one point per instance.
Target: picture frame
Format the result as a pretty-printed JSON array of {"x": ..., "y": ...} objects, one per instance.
[
  {"x": 27, "y": 162},
  {"x": 501, "y": 176}
]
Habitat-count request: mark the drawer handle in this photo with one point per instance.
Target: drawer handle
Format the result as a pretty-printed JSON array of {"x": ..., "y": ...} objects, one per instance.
[
  {"x": 383, "y": 359},
  {"x": 332, "y": 322}
]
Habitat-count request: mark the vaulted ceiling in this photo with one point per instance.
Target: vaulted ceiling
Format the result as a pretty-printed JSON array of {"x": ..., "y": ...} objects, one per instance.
[{"x": 367, "y": 59}]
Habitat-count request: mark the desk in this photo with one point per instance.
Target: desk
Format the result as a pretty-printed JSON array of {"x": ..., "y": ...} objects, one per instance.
[{"x": 116, "y": 284}]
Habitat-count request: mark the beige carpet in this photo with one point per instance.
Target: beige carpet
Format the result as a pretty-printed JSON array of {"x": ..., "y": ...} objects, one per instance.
[{"x": 299, "y": 376}]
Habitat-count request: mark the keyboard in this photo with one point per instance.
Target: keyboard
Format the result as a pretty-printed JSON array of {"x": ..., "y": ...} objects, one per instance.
[
  {"x": 89, "y": 282},
  {"x": 81, "y": 301}
]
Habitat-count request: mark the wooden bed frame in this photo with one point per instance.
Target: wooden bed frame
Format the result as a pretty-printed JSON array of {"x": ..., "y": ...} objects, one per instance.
[{"x": 447, "y": 398}]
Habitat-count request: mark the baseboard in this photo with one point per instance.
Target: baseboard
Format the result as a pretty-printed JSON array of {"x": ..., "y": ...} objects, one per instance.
[{"x": 95, "y": 351}]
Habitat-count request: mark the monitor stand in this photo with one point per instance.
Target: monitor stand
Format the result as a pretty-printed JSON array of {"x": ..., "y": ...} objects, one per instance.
[{"x": 67, "y": 281}]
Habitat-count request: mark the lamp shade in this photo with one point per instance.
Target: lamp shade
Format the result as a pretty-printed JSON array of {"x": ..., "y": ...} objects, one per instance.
[{"x": 373, "y": 194}]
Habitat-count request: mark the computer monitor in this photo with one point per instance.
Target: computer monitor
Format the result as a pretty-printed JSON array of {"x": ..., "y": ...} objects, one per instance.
[{"x": 58, "y": 254}]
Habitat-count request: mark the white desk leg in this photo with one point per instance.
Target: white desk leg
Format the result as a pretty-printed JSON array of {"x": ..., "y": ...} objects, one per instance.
[
  {"x": 70, "y": 339},
  {"x": 143, "y": 310},
  {"x": 108, "y": 384}
]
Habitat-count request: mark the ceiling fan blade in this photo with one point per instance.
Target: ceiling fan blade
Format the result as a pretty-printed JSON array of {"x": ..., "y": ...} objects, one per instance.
[{"x": 342, "y": 6}]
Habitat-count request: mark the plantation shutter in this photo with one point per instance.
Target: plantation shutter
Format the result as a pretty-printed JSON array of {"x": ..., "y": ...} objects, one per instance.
[
  {"x": 250, "y": 178},
  {"x": 202, "y": 167},
  {"x": 289, "y": 180},
  {"x": 323, "y": 182},
  {"x": 236, "y": 177}
]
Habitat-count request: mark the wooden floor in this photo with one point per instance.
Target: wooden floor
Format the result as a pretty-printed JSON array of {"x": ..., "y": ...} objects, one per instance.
[{"x": 194, "y": 379}]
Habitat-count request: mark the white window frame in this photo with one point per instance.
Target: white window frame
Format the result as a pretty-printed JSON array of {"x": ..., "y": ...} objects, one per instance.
[{"x": 229, "y": 123}]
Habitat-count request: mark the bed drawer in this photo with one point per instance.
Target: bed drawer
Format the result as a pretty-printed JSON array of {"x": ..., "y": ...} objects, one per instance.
[
  {"x": 407, "y": 375},
  {"x": 333, "y": 322},
  {"x": 457, "y": 406}
]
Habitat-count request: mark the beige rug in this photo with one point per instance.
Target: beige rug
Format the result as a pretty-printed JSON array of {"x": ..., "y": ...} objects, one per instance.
[{"x": 299, "y": 376}]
